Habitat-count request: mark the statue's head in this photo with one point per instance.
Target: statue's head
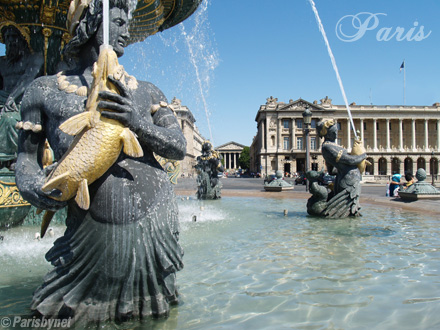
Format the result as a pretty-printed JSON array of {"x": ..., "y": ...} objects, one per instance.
[
  {"x": 206, "y": 147},
  {"x": 85, "y": 24},
  {"x": 16, "y": 40},
  {"x": 327, "y": 128}
]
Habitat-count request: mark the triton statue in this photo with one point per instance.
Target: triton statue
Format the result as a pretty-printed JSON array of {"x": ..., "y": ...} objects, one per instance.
[
  {"x": 18, "y": 68},
  {"x": 343, "y": 200},
  {"x": 208, "y": 168},
  {"x": 120, "y": 253}
]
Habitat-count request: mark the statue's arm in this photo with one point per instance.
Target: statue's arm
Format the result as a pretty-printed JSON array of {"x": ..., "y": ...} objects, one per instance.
[
  {"x": 33, "y": 70},
  {"x": 351, "y": 160},
  {"x": 162, "y": 134},
  {"x": 30, "y": 175},
  {"x": 338, "y": 155}
]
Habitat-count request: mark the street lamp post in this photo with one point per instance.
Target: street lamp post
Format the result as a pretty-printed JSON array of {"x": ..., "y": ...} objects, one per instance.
[{"x": 307, "y": 119}]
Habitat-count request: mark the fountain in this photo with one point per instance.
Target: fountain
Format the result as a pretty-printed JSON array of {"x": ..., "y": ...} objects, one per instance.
[
  {"x": 247, "y": 266},
  {"x": 278, "y": 184},
  {"x": 420, "y": 189},
  {"x": 125, "y": 199}
]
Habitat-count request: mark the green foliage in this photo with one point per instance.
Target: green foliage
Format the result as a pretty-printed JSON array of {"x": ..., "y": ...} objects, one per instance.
[{"x": 245, "y": 158}]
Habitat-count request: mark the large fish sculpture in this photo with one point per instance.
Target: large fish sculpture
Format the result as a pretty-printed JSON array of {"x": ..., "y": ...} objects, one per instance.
[
  {"x": 359, "y": 149},
  {"x": 97, "y": 144}
]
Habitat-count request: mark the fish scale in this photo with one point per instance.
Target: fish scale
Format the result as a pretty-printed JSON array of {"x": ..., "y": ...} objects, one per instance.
[{"x": 97, "y": 144}]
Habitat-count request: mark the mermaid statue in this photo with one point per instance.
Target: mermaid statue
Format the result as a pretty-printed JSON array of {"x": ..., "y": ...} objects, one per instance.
[
  {"x": 343, "y": 200},
  {"x": 118, "y": 258}
]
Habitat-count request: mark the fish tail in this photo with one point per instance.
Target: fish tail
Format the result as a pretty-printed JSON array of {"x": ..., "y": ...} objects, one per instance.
[
  {"x": 46, "y": 221},
  {"x": 55, "y": 182}
]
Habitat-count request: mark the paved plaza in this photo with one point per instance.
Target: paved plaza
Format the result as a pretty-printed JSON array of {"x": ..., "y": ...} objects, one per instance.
[{"x": 372, "y": 193}]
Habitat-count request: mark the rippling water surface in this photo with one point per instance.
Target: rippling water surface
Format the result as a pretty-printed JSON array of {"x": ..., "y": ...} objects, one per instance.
[{"x": 247, "y": 266}]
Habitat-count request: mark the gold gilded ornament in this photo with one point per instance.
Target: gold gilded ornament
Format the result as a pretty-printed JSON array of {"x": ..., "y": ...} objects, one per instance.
[
  {"x": 97, "y": 144},
  {"x": 358, "y": 149}
]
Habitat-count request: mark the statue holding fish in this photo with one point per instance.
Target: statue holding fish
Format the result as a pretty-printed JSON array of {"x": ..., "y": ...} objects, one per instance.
[
  {"x": 343, "y": 199},
  {"x": 120, "y": 253}
]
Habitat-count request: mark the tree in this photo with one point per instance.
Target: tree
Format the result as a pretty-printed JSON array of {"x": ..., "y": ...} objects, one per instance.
[{"x": 245, "y": 158}]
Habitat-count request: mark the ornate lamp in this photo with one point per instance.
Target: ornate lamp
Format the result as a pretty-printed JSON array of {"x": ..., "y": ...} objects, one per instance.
[{"x": 307, "y": 118}]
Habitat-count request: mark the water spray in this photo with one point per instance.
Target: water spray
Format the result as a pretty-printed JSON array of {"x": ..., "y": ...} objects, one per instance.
[{"x": 335, "y": 67}]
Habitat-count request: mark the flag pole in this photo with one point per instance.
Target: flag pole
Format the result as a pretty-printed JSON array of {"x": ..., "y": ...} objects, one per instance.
[
  {"x": 402, "y": 66},
  {"x": 404, "y": 84}
]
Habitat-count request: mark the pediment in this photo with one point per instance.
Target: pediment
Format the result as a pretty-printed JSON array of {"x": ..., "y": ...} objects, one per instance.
[
  {"x": 230, "y": 146},
  {"x": 301, "y": 105}
]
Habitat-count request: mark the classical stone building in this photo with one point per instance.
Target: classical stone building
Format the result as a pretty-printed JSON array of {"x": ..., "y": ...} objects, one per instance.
[
  {"x": 397, "y": 138},
  {"x": 230, "y": 153},
  {"x": 194, "y": 139}
]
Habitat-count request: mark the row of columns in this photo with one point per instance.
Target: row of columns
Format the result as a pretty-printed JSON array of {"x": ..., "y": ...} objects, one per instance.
[
  {"x": 230, "y": 159},
  {"x": 388, "y": 139},
  {"x": 292, "y": 128}
]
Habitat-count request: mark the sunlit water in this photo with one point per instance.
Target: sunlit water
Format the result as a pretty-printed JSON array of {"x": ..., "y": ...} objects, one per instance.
[{"x": 247, "y": 266}]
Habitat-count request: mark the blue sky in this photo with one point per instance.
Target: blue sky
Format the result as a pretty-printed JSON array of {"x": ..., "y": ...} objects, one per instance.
[
  {"x": 250, "y": 50},
  {"x": 244, "y": 51}
]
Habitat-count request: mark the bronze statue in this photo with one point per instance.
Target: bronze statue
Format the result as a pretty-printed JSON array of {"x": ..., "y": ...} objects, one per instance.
[
  {"x": 343, "y": 200},
  {"x": 18, "y": 68},
  {"x": 118, "y": 258},
  {"x": 208, "y": 168}
]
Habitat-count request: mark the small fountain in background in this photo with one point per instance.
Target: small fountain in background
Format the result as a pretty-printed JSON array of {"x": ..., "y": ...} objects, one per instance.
[
  {"x": 278, "y": 183},
  {"x": 420, "y": 189},
  {"x": 208, "y": 168}
]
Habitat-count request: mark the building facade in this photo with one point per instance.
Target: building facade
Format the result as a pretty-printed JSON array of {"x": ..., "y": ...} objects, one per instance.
[
  {"x": 194, "y": 139},
  {"x": 230, "y": 153},
  {"x": 397, "y": 138}
]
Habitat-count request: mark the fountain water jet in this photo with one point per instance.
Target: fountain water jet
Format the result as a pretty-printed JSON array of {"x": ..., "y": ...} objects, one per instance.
[{"x": 333, "y": 60}]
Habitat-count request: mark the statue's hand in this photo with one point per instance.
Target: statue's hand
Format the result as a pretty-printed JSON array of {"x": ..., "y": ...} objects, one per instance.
[
  {"x": 31, "y": 191},
  {"x": 10, "y": 104},
  {"x": 119, "y": 106}
]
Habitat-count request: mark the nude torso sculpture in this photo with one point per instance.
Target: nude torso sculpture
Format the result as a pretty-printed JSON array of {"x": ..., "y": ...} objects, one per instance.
[{"x": 118, "y": 259}]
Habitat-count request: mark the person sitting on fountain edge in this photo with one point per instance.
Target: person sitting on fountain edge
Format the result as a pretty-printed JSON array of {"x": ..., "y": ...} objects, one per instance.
[{"x": 118, "y": 259}]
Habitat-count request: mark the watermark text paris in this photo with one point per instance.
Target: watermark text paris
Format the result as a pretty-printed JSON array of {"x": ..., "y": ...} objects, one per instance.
[{"x": 351, "y": 28}]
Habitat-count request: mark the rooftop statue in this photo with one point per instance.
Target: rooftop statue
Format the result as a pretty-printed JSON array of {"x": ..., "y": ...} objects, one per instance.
[
  {"x": 18, "y": 68},
  {"x": 343, "y": 201},
  {"x": 208, "y": 168},
  {"x": 120, "y": 253}
]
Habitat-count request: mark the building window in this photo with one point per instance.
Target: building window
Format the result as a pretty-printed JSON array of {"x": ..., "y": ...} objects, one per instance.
[
  {"x": 338, "y": 125},
  {"x": 313, "y": 143},
  {"x": 377, "y": 125},
  {"x": 365, "y": 126},
  {"x": 313, "y": 123},
  {"x": 299, "y": 143},
  {"x": 272, "y": 139},
  {"x": 390, "y": 125},
  {"x": 286, "y": 143},
  {"x": 286, "y": 123},
  {"x": 299, "y": 123}
]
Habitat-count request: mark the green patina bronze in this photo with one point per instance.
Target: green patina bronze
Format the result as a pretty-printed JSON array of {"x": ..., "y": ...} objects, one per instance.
[{"x": 278, "y": 184}]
